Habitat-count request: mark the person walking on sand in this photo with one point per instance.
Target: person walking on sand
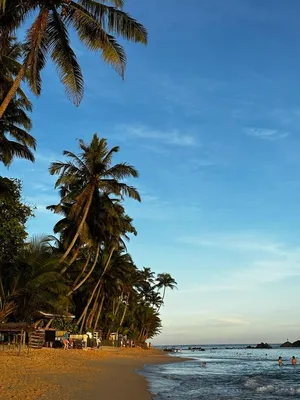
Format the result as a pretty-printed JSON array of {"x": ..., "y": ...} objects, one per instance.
[
  {"x": 280, "y": 361},
  {"x": 294, "y": 360},
  {"x": 66, "y": 340}
]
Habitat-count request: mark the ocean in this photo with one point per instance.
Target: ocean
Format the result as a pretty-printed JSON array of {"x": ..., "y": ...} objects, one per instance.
[{"x": 235, "y": 373}]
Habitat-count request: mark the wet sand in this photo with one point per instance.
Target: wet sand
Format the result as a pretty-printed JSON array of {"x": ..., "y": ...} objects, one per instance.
[{"x": 53, "y": 374}]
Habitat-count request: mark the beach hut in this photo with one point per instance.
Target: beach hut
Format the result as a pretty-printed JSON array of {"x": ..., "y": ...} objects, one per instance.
[
  {"x": 14, "y": 333},
  {"x": 44, "y": 320}
]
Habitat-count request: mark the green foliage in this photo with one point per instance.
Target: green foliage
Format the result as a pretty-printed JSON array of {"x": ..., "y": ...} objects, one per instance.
[
  {"x": 103, "y": 287},
  {"x": 13, "y": 217},
  {"x": 96, "y": 24},
  {"x": 65, "y": 324},
  {"x": 15, "y": 141}
]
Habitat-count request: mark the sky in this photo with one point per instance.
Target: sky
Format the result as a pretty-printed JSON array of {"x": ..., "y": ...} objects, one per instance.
[{"x": 209, "y": 113}]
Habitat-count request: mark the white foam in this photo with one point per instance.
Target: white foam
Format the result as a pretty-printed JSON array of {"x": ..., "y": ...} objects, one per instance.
[{"x": 264, "y": 389}]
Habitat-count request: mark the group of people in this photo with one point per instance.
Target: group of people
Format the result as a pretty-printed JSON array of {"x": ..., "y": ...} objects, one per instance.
[
  {"x": 68, "y": 342},
  {"x": 280, "y": 361}
]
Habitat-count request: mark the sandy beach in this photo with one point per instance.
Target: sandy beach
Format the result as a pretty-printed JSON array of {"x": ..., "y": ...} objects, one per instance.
[{"x": 52, "y": 374}]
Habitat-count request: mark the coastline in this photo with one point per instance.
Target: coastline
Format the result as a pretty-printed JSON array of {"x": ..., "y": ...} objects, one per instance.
[{"x": 108, "y": 373}]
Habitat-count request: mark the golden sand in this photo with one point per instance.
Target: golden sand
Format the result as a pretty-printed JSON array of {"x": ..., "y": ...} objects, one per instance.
[{"x": 56, "y": 373}]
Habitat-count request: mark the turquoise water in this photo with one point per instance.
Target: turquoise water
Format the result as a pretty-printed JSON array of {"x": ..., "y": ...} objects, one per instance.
[{"x": 230, "y": 374}]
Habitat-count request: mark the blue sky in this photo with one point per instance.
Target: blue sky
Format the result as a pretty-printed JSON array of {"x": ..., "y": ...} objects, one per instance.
[{"x": 209, "y": 113}]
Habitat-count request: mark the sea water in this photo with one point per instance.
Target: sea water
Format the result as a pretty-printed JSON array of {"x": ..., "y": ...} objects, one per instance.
[{"x": 235, "y": 373}]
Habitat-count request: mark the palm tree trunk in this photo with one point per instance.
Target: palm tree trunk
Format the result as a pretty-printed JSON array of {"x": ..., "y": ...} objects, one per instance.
[
  {"x": 162, "y": 300},
  {"x": 14, "y": 87},
  {"x": 90, "y": 318},
  {"x": 88, "y": 274},
  {"x": 125, "y": 310},
  {"x": 83, "y": 315},
  {"x": 108, "y": 261},
  {"x": 2, "y": 293},
  {"x": 83, "y": 270},
  {"x": 99, "y": 312},
  {"x": 118, "y": 304},
  {"x": 71, "y": 245},
  {"x": 72, "y": 260}
]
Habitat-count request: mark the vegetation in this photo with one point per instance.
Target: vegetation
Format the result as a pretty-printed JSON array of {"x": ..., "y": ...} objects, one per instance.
[
  {"x": 95, "y": 22},
  {"x": 85, "y": 269},
  {"x": 15, "y": 123}
]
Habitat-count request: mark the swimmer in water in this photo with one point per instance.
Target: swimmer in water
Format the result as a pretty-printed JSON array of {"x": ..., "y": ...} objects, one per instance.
[
  {"x": 204, "y": 364},
  {"x": 280, "y": 361},
  {"x": 294, "y": 360}
]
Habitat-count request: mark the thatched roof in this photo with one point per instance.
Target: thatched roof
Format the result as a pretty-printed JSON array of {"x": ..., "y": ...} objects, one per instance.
[
  {"x": 14, "y": 327},
  {"x": 42, "y": 314}
]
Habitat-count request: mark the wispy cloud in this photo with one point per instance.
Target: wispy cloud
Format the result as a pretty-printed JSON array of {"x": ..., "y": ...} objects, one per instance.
[
  {"x": 236, "y": 242},
  {"x": 270, "y": 262},
  {"x": 266, "y": 134},
  {"x": 229, "y": 322},
  {"x": 172, "y": 137},
  {"x": 47, "y": 157}
]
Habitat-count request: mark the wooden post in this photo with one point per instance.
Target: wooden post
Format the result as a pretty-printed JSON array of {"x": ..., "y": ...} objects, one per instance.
[
  {"x": 20, "y": 341},
  {"x": 49, "y": 323}
]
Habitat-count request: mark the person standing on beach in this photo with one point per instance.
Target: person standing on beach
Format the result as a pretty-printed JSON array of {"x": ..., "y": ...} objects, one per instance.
[
  {"x": 294, "y": 360},
  {"x": 66, "y": 340},
  {"x": 280, "y": 362}
]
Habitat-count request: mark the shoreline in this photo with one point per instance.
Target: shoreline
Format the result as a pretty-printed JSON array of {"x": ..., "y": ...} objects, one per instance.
[{"x": 108, "y": 373}]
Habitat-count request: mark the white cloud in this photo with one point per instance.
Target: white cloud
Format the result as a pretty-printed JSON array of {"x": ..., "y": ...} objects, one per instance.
[
  {"x": 266, "y": 134},
  {"x": 173, "y": 137},
  {"x": 47, "y": 157},
  {"x": 236, "y": 242},
  {"x": 230, "y": 321},
  {"x": 265, "y": 262}
]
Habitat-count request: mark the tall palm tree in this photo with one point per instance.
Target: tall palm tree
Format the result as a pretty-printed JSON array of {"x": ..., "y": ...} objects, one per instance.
[
  {"x": 88, "y": 177},
  {"x": 165, "y": 281},
  {"x": 15, "y": 122},
  {"x": 96, "y": 23}
]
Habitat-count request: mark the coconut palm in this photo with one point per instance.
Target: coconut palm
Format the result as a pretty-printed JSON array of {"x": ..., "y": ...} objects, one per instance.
[
  {"x": 87, "y": 178},
  {"x": 15, "y": 123},
  {"x": 165, "y": 281},
  {"x": 34, "y": 282},
  {"x": 95, "y": 22}
]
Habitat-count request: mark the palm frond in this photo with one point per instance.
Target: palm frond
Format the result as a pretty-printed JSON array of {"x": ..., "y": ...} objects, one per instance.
[
  {"x": 122, "y": 170},
  {"x": 92, "y": 34},
  {"x": 65, "y": 58},
  {"x": 10, "y": 149},
  {"x": 116, "y": 21},
  {"x": 36, "y": 49}
]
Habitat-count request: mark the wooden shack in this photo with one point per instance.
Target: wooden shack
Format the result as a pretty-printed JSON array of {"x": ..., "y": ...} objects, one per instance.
[{"x": 14, "y": 333}]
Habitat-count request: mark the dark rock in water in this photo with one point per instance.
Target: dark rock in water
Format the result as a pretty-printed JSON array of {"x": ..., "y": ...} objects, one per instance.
[
  {"x": 263, "y": 346},
  {"x": 286, "y": 344},
  {"x": 296, "y": 344},
  {"x": 249, "y": 347}
]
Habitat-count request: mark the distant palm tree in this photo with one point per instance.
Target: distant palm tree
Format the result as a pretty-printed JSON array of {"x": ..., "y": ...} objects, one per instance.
[
  {"x": 87, "y": 178},
  {"x": 15, "y": 122},
  {"x": 165, "y": 281},
  {"x": 95, "y": 23}
]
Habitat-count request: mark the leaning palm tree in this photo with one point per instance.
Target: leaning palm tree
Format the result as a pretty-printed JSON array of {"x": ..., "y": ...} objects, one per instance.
[
  {"x": 15, "y": 141},
  {"x": 89, "y": 176},
  {"x": 165, "y": 281},
  {"x": 95, "y": 22}
]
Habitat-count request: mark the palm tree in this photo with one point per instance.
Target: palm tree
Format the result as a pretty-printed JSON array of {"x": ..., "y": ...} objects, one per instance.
[
  {"x": 15, "y": 122},
  {"x": 95, "y": 22},
  {"x": 89, "y": 177},
  {"x": 34, "y": 283},
  {"x": 165, "y": 281}
]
